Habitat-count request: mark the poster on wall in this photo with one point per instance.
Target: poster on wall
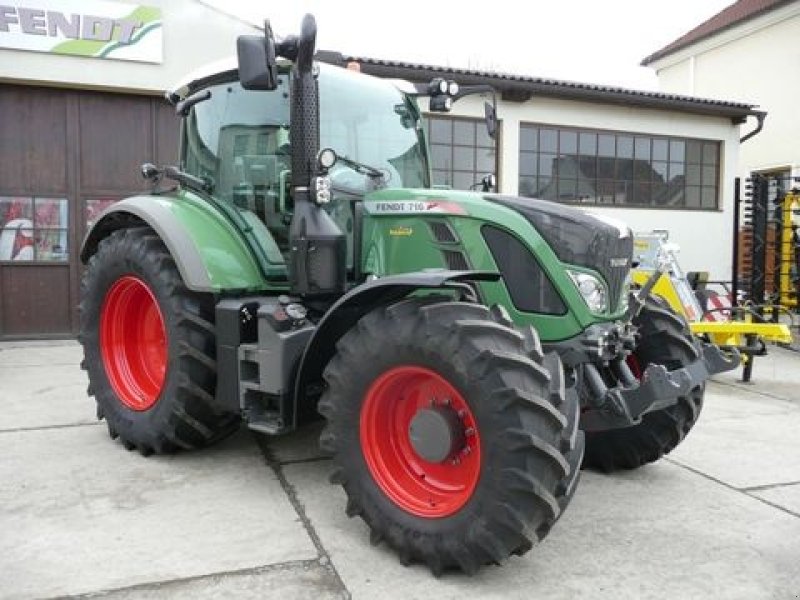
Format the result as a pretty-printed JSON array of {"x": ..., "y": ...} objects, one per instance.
[
  {"x": 89, "y": 28},
  {"x": 33, "y": 228}
]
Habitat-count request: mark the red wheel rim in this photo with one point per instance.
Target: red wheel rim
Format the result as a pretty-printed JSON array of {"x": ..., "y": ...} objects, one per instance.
[
  {"x": 422, "y": 488},
  {"x": 133, "y": 343}
]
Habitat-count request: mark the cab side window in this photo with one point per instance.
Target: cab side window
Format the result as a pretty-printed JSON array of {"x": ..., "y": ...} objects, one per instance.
[
  {"x": 258, "y": 175},
  {"x": 240, "y": 140}
]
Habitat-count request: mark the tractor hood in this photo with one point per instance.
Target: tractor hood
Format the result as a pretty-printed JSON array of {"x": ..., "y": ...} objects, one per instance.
[
  {"x": 576, "y": 237},
  {"x": 579, "y": 238}
]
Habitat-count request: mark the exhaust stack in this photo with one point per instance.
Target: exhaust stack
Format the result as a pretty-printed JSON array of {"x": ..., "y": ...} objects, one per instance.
[
  {"x": 318, "y": 262},
  {"x": 318, "y": 248}
]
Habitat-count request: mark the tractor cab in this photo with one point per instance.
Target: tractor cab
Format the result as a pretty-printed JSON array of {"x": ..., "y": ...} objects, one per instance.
[{"x": 238, "y": 140}]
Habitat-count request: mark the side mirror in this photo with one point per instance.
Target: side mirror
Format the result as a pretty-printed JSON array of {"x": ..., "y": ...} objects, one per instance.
[
  {"x": 258, "y": 67},
  {"x": 491, "y": 120},
  {"x": 486, "y": 184}
]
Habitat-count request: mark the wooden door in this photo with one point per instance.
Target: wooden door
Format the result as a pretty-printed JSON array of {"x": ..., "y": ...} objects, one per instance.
[{"x": 66, "y": 154}]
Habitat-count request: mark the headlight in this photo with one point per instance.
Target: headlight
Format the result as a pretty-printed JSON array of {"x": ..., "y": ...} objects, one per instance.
[{"x": 592, "y": 289}]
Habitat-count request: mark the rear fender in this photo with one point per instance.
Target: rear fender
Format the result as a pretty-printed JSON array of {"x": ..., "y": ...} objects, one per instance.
[{"x": 210, "y": 254}]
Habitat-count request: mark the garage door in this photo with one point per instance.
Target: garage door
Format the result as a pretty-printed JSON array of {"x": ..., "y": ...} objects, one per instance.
[{"x": 66, "y": 155}]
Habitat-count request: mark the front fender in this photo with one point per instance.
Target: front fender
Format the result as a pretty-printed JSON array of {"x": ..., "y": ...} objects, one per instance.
[
  {"x": 346, "y": 312},
  {"x": 210, "y": 254}
]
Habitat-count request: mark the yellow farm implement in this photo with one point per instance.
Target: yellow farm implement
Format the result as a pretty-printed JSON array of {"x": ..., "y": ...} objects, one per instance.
[{"x": 719, "y": 321}]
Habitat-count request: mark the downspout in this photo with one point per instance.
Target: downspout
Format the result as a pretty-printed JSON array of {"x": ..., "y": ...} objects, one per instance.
[{"x": 760, "y": 115}]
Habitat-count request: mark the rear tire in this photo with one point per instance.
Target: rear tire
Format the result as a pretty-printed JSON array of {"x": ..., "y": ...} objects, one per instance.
[
  {"x": 665, "y": 339},
  {"x": 476, "y": 506},
  {"x": 149, "y": 347}
]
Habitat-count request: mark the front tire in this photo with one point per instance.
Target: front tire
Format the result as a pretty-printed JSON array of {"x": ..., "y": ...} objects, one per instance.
[
  {"x": 665, "y": 339},
  {"x": 149, "y": 347},
  {"x": 511, "y": 461}
]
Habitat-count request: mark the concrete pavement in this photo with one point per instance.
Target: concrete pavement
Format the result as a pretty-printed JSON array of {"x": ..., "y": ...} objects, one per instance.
[{"x": 256, "y": 518}]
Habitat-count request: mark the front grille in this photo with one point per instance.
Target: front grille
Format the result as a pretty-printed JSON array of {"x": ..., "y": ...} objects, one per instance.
[
  {"x": 528, "y": 285},
  {"x": 611, "y": 247},
  {"x": 455, "y": 260},
  {"x": 616, "y": 276}
]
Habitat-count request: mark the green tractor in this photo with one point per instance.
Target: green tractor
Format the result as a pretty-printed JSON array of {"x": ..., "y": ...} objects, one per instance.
[{"x": 468, "y": 351}]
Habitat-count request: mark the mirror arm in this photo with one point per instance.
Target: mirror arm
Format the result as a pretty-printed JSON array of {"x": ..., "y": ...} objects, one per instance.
[
  {"x": 482, "y": 88},
  {"x": 288, "y": 47},
  {"x": 467, "y": 90},
  {"x": 424, "y": 89}
]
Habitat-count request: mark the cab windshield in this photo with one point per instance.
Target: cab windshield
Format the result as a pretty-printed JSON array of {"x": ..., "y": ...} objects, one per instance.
[
  {"x": 240, "y": 139},
  {"x": 369, "y": 121}
]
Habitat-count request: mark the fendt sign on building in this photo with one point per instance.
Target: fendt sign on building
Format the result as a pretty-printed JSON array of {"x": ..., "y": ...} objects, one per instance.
[{"x": 93, "y": 28}]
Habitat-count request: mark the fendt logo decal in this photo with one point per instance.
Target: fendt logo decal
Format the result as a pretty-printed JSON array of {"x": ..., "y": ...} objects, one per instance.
[
  {"x": 400, "y": 207},
  {"x": 91, "y": 28},
  {"x": 414, "y": 207}
]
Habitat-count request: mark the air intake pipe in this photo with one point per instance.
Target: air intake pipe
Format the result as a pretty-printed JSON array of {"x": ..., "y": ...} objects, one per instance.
[{"x": 318, "y": 262}]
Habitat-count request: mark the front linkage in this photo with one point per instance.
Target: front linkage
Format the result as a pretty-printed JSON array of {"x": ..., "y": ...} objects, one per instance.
[{"x": 616, "y": 390}]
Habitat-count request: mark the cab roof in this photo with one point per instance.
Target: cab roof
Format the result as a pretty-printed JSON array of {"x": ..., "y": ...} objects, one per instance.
[{"x": 226, "y": 71}]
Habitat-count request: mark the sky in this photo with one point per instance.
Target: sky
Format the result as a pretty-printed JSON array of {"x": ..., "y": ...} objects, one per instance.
[{"x": 600, "y": 41}]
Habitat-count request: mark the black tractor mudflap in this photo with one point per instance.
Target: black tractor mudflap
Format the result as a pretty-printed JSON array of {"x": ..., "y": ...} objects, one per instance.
[{"x": 657, "y": 389}]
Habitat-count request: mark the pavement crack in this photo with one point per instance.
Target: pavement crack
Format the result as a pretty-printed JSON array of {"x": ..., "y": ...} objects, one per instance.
[
  {"x": 291, "y": 493},
  {"x": 743, "y": 491},
  {"x": 303, "y": 461},
  {"x": 768, "y": 486},
  {"x": 49, "y": 427},
  {"x": 157, "y": 585}
]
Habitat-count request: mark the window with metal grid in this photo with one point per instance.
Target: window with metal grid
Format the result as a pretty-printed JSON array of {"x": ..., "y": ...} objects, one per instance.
[
  {"x": 596, "y": 167},
  {"x": 462, "y": 153}
]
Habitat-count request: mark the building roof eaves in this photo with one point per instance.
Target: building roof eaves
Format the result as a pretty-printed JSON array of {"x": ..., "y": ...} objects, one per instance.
[{"x": 548, "y": 87}]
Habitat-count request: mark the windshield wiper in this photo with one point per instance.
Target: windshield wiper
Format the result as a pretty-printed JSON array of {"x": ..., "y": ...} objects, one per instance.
[{"x": 362, "y": 168}]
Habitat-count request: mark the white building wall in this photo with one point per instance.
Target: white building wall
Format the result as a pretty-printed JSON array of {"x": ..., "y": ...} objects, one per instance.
[
  {"x": 756, "y": 62},
  {"x": 678, "y": 79},
  {"x": 705, "y": 237},
  {"x": 193, "y": 34}
]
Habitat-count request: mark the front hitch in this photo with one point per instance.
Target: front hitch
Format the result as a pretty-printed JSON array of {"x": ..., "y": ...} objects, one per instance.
[{"x": 625, "y": 405}]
